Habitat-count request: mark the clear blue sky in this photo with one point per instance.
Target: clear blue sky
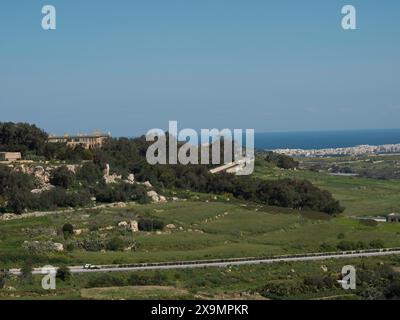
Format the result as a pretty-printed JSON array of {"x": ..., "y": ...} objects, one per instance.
[{"x": 127, "y": 66}]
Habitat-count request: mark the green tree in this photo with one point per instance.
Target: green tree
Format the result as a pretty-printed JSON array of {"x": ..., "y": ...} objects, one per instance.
[
  {"x": 63, "y": 273},
  {"x": 26, "y": 271},
  {"x": 392, "y": 291},
  {"x": 377, "y": 244},
  {"x": 19, "y": 202},
  {"x": 4, "y": 275},
  {"x": 62, "y": 177},
  {"x": 115, "y": 244},
  {"x": 68, "y": 230}
]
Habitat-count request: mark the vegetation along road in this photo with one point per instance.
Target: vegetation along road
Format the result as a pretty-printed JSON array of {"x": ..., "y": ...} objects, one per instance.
[{"x": 227, "y": 262}]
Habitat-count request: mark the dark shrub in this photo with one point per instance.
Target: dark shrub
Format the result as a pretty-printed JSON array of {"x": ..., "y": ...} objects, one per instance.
[
  {"x": 115, "y": 244},
  {"x": 63, "y": 273},
  {"x": 62, "y": 177},
  {"x": 68, "y": 230}
]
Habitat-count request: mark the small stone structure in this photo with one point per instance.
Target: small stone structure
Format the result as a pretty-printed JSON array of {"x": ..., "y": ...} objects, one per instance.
[
  {"x": 10, "y": 156},
  {"x": 393, "y": 218}
]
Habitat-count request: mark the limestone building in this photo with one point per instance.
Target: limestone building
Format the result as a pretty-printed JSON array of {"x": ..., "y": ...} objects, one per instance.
[
  {"x": 95, "y": 140},
  {"x": 10, "y": 156}
]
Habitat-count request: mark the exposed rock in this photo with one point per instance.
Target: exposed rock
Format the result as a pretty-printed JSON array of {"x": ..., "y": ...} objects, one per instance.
[
  {"x": 43, "y": 246},
  {"x": 114, "y": 178},
  {"x": 170, "y": 226},
  {"x": 8, "y": 216},
  {"x": 72, "y": 168},
  {"x": 133, "y": 226},
  {"x": 59, "y": 247},
  {"x": 107, "y": 170},
  {"x": 130, "y": 179},
  {"x": 147, "y": 184},
  {"x": 163, "y": 199},
  {"x": 120, "y": 205},
  {"x": 123, "y": 224},
  {"x": 78, "y": 232},
  {"x": 153, "y": 195},
  {"x": 46, "y": 187}
]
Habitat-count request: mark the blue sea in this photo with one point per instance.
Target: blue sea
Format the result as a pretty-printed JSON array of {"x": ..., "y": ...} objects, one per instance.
[{"x": 325, "y": 139}]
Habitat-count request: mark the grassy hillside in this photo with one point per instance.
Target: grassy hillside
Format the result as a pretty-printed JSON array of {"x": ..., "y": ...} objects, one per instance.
[
  {"x": 360, "y": 196},
  {"x": 203, "y": 230}
]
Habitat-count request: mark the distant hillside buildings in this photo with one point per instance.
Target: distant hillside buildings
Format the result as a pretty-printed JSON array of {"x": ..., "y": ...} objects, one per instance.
[
  {"x": 95, "y": 140},
  {"x": 349, "y": 151}
]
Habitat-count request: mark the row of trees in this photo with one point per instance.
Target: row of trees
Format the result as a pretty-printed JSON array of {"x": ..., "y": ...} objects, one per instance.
[
  {"x": 128, "y": 155},
  {"x": 280, "y": 160},
  {"x": 22, "y": 137}
]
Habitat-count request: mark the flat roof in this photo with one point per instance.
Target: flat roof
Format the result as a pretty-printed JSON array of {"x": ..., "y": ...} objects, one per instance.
[{"x": 75, "y": 137}]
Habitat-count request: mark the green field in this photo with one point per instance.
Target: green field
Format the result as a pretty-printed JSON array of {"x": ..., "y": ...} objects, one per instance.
[
  {"x": 360, "y": 196},
  {"x": 203, "y": 230}
]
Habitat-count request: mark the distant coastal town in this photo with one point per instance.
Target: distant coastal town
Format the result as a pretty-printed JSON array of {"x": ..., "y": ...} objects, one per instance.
[{"x": 346, "y": 151}]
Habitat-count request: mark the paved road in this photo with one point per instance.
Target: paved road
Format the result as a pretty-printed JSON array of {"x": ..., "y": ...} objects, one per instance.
[{"x": 225, "y": 263}]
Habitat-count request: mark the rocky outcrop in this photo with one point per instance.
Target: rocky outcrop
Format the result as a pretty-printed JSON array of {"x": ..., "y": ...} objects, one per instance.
[
  {"x": 131, "y": 225},
  {"x": 130, "y": 179},
  {"x": 110, "y": 178},
  {"x": 153, "y": 195},
  {"x": 42, "y": 172},
  {"x": 134, "y": 226},
  {"x": 123, "y": 224},
  {"x": 46, "y": 187},
  {"x": 147, "y": 184},
  {"x": 43, "y": 246}
]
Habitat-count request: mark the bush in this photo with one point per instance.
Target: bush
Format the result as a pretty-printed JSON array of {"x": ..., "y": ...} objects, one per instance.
[
  {"x": 350, "y": 245},
  {"x": 155, "y": 280},
  {"x": 326, "y": 247},
  {"x": 106, "y": 280},
  {"x": 320, "y": 282},
  {"x": 62, "y": 177},
  {"x": 26, "y": 271},
  {"x": 377, "y": 244},
  {"x": 115, "y": 244},
  {"x": 68, "y": 230},
  {"x": 150, "y": 224},
  {"x": 278, "y": 289},
  {"x": 281, "y": 160},
  {"x": 92, "y": 243},
  {"x": 89, "y": 173},
  {"x": 369, "y": 222},
  {"x": 392, "y": 292},
  {"x": 63, "y": 273},
  {"x": 70, "y": 247},
  {"x": 3, "y": 279}
]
